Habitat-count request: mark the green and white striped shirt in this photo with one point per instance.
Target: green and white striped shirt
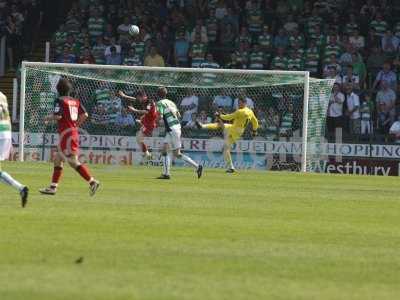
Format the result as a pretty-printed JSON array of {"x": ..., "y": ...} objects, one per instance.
[
  {"x": 96, "y": 26},
  {"x": 169, "y": 113},
  {"x": 379, "y": 26}
]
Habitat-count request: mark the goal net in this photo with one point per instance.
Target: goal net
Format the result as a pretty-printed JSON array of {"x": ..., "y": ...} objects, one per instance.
[{"x": 291, "y": 108}]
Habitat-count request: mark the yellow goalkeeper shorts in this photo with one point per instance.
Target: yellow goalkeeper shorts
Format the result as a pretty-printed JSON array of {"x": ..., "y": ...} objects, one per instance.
[{"x": 232, "y": 133}]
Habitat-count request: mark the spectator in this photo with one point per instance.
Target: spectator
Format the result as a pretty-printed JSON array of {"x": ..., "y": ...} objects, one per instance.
[
  {"x": 212, "y": 27},
  {"x": 113, "y": 44},
  {"x": 114, "y": 58},
  {"x": 254, "y": 19},
  {"x": 197, "y": 51},
  {"x": 335, "y": 110},
  {"x": 332, "y": 73},
  {"x": 353, "y": 111},
  {"x": 153, "y": 59},
  {"x": 386, "y": 74},
  {"x": 221, "y": 10},
  {"x": 242, "y": 54},
  {"x": 227, "y": 37},
  {"x": 279, "y": 62},
  {"x": 256, "y": 58},
  {"x": 281, "y": 40},
  {"x": 139, "y": 45},
  {"x": 375, "y": 61},
  {"x": 332, "y": 49},
  {"x": 203, "y": 118},
  {"x": 332, "y": 63},
  {"x": 235, "y": 62},
  {"x": 222, "y": 101},
  {"x": 291, "y": 25},
  {"x": 366, "y": 114},
  {"x": 359, "y": 69},
  {"x": 386, "y": 100},
  {"x": 209, "y": 62},
  {"x": 312, "y": 58},
  {"x": 87, "y": 57},
  {"x": 181, "y": 51},
  {"x": 96, "y": 24},
  {"x": 124, "y": 119},
  {"x": 389, "y": 43},
  {"x": 357, "y": 40},
  {"x": 265, "y": 40},
  {"x": 66, "y": 56},
  {"x": 191, "y": 124},
  {"x": 379, "y": 24},
  {"x": 395, "y": 131},
  {"x": 123, "y": 31},
  {"x": 351, "y": 78},
  {"x": 295, "y": 62},
  {"x": 99, "y": 50},
  {"x": 199, "y": 29},
  {"x": 346, "y": 58},
  {"x": 189, "y": 105},
  {"x": 132, "y": 59}
]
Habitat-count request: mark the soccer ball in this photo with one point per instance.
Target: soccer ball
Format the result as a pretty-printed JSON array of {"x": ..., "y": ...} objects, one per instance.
[{"x": 133, "y": 30}]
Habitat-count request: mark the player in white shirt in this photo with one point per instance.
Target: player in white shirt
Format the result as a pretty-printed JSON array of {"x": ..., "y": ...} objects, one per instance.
[
  {"x": 395, "y": 130},
  {"x": 353, "y": 110},
  {"x": 170, "y": 115},
  {"x": 335, "y": 109},
  {"x": 5, "y": 148}
]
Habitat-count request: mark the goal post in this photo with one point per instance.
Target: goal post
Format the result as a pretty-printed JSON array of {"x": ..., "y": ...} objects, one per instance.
[{"x": 291, "y": 107}]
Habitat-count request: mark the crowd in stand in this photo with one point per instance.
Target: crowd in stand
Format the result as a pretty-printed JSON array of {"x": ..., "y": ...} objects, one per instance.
[
  {"x": 20, "y": 22},
  {"x": 354, "y": 42}
]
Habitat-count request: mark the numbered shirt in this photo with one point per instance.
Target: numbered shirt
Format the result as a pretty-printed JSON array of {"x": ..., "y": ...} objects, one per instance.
[
  {"x": 69, "y": 109},
  {"x": 5, "y": 124}
]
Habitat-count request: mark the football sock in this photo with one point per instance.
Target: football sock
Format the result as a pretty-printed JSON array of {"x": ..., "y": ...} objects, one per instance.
[
  {"x": 211, "y": 126},
  {"x": 84, "y": 172},
  {"x": 57, "y": 173},
  {"x": 166, "y": 164},
  {"x": 189, "y": 160},
  {"x": 228, "y": 159},
  {"x": 7, "y": 179}
]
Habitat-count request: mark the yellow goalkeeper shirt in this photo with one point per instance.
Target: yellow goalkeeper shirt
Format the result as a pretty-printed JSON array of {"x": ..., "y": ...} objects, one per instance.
[{"x": 241, "y": 119}]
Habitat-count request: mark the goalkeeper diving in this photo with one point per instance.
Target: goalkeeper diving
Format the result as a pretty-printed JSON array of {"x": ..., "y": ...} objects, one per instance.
[{"x": 233, "y": 131}]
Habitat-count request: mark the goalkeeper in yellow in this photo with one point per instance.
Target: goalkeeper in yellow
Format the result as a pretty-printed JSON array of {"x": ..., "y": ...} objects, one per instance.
[{"x": 232, "y": 132}]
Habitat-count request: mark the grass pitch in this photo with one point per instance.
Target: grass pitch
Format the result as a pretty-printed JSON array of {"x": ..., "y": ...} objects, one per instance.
[{"x": 254, "y": 235}]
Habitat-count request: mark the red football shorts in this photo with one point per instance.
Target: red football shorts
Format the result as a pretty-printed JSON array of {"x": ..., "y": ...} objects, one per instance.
[
  {"x": 147, "y": 131},
  {"x": 69, "y": 144}
]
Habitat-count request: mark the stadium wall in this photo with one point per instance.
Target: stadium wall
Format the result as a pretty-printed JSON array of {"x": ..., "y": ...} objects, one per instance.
[{"x": 362, "y": 159}]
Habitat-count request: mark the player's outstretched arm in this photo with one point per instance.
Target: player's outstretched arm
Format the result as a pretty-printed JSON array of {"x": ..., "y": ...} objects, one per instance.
[
  {"x": 125, "y": 96},
  {"x": 228, "y": 117},
  {"x": 137, "y": 111},
  {"x": 52, "y": 118}
]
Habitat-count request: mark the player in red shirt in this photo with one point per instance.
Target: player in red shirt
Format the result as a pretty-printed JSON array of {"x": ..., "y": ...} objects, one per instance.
[
  {"x": 148, "y": 121},
  {"x": 69, "y": 114}
]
